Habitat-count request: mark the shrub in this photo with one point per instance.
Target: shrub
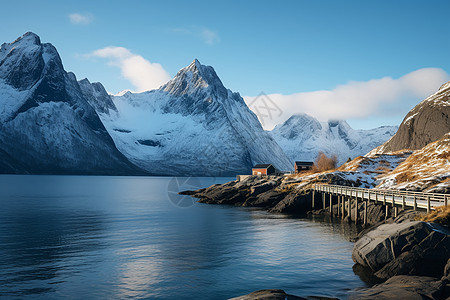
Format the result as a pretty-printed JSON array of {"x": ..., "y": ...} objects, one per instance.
[{"x": 325, "y": 163}]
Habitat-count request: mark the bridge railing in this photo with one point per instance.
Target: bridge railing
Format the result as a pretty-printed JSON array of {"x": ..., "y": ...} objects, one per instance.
[{"x": 405, "y": 198}]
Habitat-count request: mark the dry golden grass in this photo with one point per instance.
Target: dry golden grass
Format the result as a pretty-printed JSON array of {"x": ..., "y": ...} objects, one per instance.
[
  {"x": 384, "y": 163},
  {"x": 432, "y": 159},
  {"x": 441, "y": 215},
  {"x": 287, "y": 188},
  {"x": 406, "y": 177},
  {"x": 352, "y": 165}
]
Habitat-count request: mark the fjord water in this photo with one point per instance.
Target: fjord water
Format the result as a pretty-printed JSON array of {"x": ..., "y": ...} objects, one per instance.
[{"x": 133, "y": 237}]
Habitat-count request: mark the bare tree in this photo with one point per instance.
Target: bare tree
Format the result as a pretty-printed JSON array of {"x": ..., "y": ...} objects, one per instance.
[{"x": 325, "y": 163}]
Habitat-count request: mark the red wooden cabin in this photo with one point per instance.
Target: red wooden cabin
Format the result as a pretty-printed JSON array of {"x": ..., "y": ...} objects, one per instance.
[{"x": 263, "y": 169}]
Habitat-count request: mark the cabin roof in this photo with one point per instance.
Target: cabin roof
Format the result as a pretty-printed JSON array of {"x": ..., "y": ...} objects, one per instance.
[
  {"x": 304, "y": 163},
  {"x": 262, "y": 166}
]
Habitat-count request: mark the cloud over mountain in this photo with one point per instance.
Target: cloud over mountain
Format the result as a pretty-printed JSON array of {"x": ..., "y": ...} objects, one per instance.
[
  {"x": 356, "y": 99},
  {"x": 143, "y": 74}
]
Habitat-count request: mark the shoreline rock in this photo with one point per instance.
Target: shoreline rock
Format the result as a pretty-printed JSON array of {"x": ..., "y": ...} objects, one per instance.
[
  {"x": 408, "y": 248},
  {"x": 404, "y": 287}
]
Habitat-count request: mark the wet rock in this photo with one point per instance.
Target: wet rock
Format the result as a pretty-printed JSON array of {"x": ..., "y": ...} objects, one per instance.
[
  {"x": 404, "y": 287},
  {"x": 251, "y": 191},
  {"x": 294, "y": 203},
  {"x": 447, "y": 271},
  {"x": 268, "y": 295},
  {"x": 267, "y": 199},
  {"x": 408, "y": 248}
]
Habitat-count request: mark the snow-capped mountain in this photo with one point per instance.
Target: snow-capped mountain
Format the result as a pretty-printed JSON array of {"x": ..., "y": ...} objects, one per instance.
[
  {"x": 97, "y": 96},
  {"x": 192, "y": 125},
  {"x": 46, "y": 123},
  {"x": 302, "y": 137}
]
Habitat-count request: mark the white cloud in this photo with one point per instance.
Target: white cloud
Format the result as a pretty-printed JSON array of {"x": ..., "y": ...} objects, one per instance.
[
  {"x": 208, "y": 36},
  {"x": 354, "y": 100},
  {"x": 143, "y": 74},
  {"x": 81, "y": 19}
]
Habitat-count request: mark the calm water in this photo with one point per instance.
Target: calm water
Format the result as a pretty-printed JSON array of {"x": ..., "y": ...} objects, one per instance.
[{"x": 133, "y": 237}]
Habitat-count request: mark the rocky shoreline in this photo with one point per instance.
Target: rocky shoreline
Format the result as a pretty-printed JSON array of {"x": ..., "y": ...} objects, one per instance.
[{"x": 410, "y": 259}]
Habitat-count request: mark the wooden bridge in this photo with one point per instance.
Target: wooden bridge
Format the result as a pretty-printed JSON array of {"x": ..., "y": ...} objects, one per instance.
[{"x": 393, "y": 198}]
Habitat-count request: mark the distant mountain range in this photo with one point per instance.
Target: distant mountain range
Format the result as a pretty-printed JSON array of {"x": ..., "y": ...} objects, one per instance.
[
  {"x": 302, "y": 137},
  {"x": 50, "y": 123}
]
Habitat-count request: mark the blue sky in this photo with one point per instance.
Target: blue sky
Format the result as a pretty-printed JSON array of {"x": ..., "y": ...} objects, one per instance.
[{"x": 297, "y": 52}]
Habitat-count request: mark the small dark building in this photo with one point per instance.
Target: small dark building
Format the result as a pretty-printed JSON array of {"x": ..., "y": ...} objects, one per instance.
[
  {"x": 300, "y": 166},
  {"x": 263, "y": 169}
]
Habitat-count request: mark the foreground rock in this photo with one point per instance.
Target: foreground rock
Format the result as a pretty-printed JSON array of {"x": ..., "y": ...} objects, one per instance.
[
  {"x": 268, "y": 295},
  {"x": 404, "y": 287},
  {"x": 409, "y": 248}
]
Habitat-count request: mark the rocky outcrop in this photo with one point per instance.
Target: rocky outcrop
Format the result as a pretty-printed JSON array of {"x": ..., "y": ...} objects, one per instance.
[
  {"x": 271, "y": 193},
  {"x": 425, "y": 123},
  {"x": 268, "y": 295},
  {"x": 404, "y": 287},
  {"x": 409, "y": 248}
]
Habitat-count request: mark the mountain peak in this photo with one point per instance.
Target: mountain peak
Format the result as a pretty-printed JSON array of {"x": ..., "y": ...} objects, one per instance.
[
  {"x": 28, "y": 38},
  {"x": 195, "y": 64},
  {"x": 195, "y": 78}
]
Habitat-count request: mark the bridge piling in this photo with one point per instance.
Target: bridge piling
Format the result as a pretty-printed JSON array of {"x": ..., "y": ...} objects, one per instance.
[
  {"x": 349, "y": 208},
  {"x": 365, "y": 212},
  {"x": 323, "y": 200},
  {"x": 331, "y": 204},
  {"x": 338, "y": 205}
]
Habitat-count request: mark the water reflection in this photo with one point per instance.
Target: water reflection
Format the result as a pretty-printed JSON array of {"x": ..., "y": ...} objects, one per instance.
[
  {"x": 37, "y": 245},
  {"x": 122, "y": 237}
]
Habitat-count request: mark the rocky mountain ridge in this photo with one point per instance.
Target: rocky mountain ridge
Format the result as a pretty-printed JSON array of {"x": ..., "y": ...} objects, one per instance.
[
  {"x": 427, "y": 122},
  {"x": 46, "y": 124}
]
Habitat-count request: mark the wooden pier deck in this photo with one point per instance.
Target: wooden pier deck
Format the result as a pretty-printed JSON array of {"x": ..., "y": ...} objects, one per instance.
[{"x": 394, "y": 198}]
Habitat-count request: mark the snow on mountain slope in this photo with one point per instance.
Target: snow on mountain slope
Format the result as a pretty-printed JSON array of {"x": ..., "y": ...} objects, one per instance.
[
  {"x": 97, "y": 96},
  {"x": 46, "y": 124},
  {"x": 192, "y": 125},
  {"x": 302, "y": 137}
]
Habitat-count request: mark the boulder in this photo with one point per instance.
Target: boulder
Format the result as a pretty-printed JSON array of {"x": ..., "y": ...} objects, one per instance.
[
  {"x": 294, "y": 203},
  {"x": 408, "y": 248},
  {"x": 264, "y": 187},
  {"x": 268, "y": 295},
  {"x": 404, "y": 287},
  {"x": 267, "y": 199},
  {"x": 446, "y": 275}
]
